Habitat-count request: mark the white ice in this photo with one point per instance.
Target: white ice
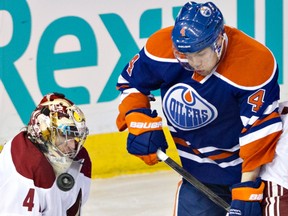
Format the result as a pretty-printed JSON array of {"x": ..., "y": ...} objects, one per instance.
[{"x": 150, "y": 194}]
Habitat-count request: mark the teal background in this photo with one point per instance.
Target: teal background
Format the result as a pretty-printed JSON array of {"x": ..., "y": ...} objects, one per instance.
[{"x": 149, "y": 21}]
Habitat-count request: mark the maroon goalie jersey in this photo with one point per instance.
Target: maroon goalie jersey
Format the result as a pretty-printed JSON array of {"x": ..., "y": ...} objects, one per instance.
[{"x": 28, "y": 183}]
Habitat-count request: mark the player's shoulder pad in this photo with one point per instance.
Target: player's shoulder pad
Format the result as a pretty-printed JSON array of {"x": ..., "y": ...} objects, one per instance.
[
  {"x": 247, "y": 63},
  {"x": 159, "y": 44},
  {"x": 30, "y": 162}
]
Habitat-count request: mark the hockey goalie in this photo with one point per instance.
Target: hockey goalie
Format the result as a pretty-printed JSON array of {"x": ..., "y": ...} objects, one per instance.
[{"x": 44, "y": 169}]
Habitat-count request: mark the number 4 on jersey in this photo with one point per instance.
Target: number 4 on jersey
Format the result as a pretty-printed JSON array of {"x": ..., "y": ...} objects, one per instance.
[
  {"x": 29, "y": 199},
  {"x": 256, "y": 100}
]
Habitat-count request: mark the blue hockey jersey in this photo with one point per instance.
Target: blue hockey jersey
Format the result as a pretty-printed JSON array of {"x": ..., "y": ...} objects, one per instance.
[{"x": 223, "y": 124}]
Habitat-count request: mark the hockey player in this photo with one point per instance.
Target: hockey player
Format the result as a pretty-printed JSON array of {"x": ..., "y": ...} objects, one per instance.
[
  {"x": 220, "y": 97},
  {"x": 275, "y": 174},
  {"x": 45, "y": 170}
]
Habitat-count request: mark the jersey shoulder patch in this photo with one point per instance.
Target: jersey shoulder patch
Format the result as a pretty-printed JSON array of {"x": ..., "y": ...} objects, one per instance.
[
  {"x": 247, "y": 62},
  {"x": 160, "y": 44}
]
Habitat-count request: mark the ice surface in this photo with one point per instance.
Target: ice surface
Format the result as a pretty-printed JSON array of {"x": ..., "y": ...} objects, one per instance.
[{"x": 150, "y": 194}]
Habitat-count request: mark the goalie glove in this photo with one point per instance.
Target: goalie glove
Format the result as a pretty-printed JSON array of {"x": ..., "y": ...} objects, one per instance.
[
  {"x": 246, "y": 198},
  {"x": 145, "y": 135}
]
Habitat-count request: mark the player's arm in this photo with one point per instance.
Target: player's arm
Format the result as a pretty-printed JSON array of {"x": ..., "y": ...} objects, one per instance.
[
  {"x": 251, "y": 175},
  {"x": 135, "y": 114},
  {"x": 145, "y": 127},
  {"x": 259, "y": 136},
  {"x": 258, "y": 139}
]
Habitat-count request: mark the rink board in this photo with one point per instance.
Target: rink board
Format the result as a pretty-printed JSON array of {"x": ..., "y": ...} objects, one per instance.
[{"x": 110, "y": 157}]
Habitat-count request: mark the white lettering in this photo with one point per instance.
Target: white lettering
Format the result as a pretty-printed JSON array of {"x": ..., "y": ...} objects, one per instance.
[
  {"x": 146, "y": 125},
  {"x": 235, "y": 212},
  {"x": 256, "y": 197}
]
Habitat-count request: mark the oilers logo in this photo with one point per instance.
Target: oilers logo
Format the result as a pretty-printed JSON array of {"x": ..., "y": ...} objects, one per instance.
[
  {"x": 185, "y": 109},
  {"x": 205, "y": 11}
]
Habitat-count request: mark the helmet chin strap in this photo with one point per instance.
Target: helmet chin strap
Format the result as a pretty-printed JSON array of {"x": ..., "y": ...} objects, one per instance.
[{"x": 220, "y": 50}]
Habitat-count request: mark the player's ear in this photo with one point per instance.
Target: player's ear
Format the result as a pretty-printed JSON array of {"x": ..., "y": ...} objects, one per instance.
[{"x": 219, "y": 39}]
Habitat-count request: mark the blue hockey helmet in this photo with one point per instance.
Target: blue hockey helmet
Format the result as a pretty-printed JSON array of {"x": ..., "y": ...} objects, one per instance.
[{"x": 197, "y": 26}]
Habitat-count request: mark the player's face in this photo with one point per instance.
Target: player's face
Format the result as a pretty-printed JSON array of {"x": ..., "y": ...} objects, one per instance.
[
  {"x": 66, "y": 145},
  {"x": 203, "y": 61}
]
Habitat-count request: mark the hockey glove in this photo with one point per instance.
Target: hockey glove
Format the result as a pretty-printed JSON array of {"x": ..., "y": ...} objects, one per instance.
[
  {"x": 246, "y": 198},
  {"x": 145, "y": 135}
]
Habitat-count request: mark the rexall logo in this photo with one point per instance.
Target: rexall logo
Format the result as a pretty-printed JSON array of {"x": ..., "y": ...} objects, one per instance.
[
  {"x": 274, "y": 25},
  {"x": 47, "y": 61}
]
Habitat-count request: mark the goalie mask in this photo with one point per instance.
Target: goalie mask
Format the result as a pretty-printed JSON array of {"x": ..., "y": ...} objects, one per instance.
[{"x": 58, "y": 128}]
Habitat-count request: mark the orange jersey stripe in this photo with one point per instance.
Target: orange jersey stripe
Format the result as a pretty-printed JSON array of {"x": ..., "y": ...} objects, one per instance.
[
  {"x": 259, "y": 152},
  {"x": 261, "y": 121},
  {"x": 177, "y": 197},
  {"x": 122, "y": 86},
  {"x": 221, "y": 156},
  {"x": 197, "y": 152},
  {"x": 255, "y": 57},
  {"x": 180, "y": 141}
]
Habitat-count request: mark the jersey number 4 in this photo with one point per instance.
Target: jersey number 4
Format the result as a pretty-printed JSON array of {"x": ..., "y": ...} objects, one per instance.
[
  {"x": 29, "y": 199},
  {"x": 256, "y": 100}
]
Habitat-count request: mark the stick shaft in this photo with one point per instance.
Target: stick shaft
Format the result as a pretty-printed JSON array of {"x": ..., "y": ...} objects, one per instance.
[{"x": 192, "y": 180}]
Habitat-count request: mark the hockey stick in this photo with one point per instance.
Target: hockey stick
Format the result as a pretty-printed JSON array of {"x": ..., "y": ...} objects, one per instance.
[{"x": 192, "y": 180}]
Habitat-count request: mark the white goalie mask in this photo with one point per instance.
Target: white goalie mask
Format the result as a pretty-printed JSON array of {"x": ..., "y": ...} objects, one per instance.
[{"x": 58, "y": 128}]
